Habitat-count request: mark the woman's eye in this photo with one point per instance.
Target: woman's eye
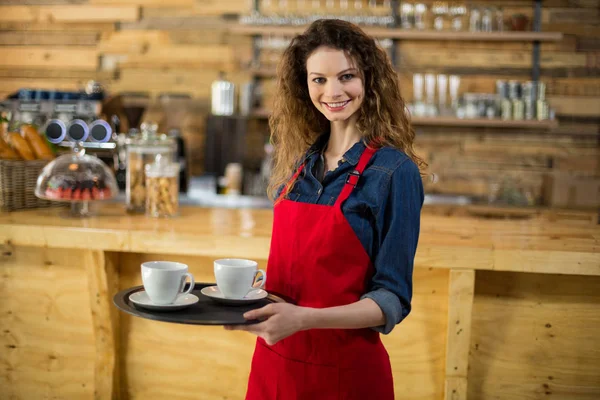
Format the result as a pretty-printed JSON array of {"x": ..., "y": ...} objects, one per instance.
[
  {"x": 319, "y": 80},
  {"x": 346, "y": 77}
]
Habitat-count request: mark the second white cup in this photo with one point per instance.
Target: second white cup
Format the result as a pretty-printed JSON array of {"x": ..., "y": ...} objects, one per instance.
[{"x": 236, "y": 277}]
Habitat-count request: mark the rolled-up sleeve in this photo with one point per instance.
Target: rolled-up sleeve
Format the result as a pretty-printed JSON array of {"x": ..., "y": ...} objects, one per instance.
[{"x": 397, "y": 225}]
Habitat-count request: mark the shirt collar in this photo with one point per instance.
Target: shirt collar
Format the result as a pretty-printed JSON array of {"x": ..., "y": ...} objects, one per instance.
[{"x": 351, "y": 156}]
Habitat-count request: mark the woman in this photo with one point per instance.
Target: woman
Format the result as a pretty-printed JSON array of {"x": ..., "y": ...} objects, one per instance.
[{"x": 348, "y": 194}]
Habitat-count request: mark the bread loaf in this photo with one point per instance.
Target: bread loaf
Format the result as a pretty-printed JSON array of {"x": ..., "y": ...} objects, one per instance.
[
  {"x": 38, "y": 144},
  {"x": 21, "y": 146},
  {"x": 6, "y": 152}
]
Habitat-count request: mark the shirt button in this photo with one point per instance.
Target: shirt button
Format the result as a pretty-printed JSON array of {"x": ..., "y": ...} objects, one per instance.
[{"x": 319, "y": 191}]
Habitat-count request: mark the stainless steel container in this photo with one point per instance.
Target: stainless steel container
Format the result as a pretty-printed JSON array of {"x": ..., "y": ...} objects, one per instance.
[{"x": 222, "y": 96}]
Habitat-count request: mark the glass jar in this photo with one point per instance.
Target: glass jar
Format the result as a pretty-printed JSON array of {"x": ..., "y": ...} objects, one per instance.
[
  {"x": 142, "y": 151},
  {"x": 162, "y": 188},
  {"x": 471, "y": 110}
]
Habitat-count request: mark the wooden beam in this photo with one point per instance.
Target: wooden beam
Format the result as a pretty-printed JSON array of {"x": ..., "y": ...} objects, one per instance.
[
  {"x": 460, "y": 306},
  {"x": 132, "y": 42},
  {"x": 23, "y": 38},
  {"x": 145, "y": 3},
  {"x": 72, "y": 57},
  {"x": 50, "y": 26},
  {"x": 584, "y": 106},
  {"x": 74, "y": 13},
  {"x": 55, "y": 75},
  {"x": 102, "y": 270}
]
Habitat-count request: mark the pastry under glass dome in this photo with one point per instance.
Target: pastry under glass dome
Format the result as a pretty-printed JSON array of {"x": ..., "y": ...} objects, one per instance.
[{"x": 78, "y": 179}]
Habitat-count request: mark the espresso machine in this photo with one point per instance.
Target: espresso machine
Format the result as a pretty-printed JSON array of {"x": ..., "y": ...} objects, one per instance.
[{"x": 67, "y": 118}]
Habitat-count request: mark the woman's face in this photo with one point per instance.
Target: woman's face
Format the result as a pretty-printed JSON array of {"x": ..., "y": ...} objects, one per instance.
[{"x": 334, "y": 83}]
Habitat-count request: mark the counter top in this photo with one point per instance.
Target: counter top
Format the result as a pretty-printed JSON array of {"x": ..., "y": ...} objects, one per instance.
[{"x": 462, "y": 237}]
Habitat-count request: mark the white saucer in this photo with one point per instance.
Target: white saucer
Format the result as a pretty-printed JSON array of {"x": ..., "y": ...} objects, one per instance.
[
  {"x": 252, "y": 297},
  {"x": 141, "y": 299}
]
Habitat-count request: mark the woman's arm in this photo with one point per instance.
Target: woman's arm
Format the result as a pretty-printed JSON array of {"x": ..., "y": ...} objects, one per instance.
[
  {"x": 364, "y": 313},
  {"x": 280, "y": 320}
]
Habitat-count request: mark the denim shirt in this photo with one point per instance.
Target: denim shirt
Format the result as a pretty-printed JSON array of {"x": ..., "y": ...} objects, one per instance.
[{"x": 383, "y": 210}]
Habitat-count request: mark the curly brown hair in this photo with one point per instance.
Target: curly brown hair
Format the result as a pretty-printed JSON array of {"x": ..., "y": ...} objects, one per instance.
[{"x": 295, "y": 123}]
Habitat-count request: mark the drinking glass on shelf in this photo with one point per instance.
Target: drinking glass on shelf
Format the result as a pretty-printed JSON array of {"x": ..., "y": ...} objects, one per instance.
[
  {"x": 387, "y": 18},
  {"x": 407, "y": 15},
  {"x": 330, "y": 9},
  {"x": 344, "y": 10},
  {"x": 454, "y": 81},
  {"x": 372, "y": 12},
  {"x": 487, "y": 19},
  {"x": 440, "y": 11},
  {"x": 457, "y": 13},
  {"x": 420, "y": 14},
  {"x": 475, "y": 20},
  {"x": 419, "y": 106},
  {"x": 359, "y": 17},
  {"x": 499, "y": 17},
  {"x": 283, "y": 12},
  {"x": 442, "y": 85},
  {"x": 430, "y": 110}
]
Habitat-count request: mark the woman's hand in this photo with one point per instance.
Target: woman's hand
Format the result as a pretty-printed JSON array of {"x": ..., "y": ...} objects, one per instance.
[{"x": 279, "y": 320}]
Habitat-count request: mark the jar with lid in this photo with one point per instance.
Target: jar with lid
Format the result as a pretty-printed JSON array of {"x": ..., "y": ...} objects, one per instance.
[
  {"x": 162, "y": 187},
  {"x": 142, "y": 150}
]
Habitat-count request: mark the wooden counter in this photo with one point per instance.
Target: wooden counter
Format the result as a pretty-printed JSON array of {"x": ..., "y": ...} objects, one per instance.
[{"x": 505, "y": 306}]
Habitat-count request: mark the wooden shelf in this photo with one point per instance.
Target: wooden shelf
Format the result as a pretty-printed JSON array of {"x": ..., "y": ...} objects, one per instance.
[
  {"x": 467, "y": 123},
  {"x": 509, "y": 36},
  {"x": 484, "y": 123}
]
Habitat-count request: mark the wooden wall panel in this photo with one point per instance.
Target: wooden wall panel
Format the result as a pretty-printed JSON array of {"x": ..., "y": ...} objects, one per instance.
[
  {"x": 75, "y": 13},
  {"x": 47, "y": 341},
  {"x": 533, "y": 348}
]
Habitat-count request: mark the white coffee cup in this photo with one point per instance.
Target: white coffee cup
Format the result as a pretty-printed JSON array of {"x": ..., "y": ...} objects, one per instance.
[
  {"x": 236, "y": 277},
  {"x": 164, "y": 280}
]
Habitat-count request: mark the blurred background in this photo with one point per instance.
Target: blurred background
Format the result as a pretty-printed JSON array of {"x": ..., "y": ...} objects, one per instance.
[{"x": 504, "y": 95}]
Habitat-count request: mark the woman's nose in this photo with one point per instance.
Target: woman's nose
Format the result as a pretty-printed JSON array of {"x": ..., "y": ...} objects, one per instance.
[{"x": 333, "y": 90}]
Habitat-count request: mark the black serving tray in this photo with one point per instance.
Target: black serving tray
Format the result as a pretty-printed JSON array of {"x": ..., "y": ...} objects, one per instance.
[{"x": 205, "y": 312}]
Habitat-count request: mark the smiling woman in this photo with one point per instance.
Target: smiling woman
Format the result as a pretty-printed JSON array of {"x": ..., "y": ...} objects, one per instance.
[{"x": 345, "y": 226}]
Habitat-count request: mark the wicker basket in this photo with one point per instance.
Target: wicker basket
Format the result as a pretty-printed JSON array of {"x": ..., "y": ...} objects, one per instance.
[{"x": 17, "y": 185}]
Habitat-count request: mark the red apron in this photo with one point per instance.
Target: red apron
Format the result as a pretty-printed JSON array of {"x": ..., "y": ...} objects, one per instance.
[{"x": 317, "y": 260}]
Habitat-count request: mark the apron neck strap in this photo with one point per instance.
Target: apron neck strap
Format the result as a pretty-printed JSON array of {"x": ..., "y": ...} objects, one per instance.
[
  {"x": 353, "y": 177},
  {"x": 287, "y": 187}
]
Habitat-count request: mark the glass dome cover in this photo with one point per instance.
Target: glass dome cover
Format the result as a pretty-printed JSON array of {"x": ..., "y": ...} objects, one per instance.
[{"x": 76, "y": 177}]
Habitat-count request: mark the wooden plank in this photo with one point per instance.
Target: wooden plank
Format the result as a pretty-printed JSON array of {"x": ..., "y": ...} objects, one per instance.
[
  {"x": 538, "y": 332},
  {"x": 579, "y": 16},
  {"x": 460, "y": 306},
  {"x": 566, "y": 44},
  {"x": 47, "y": 340},
  {"x": 56, "y": 74},
  {"x": 76, "y": 13},
  {"x": 499, "y": 59},
  {"x": 48, "y": 39},
  {"x": 484, "y": 122},
  {"x": 155, "y": 81},
  {"x": 11, "y": 85},
  {"x": 577, "y": 106},
  {"x": 573, "y": 87},
  {"x": 145, "y": 3},
  {"x": 73, "y": 57},
  {"x": 184, "y": 56},
  {"x": 507, "y": 36},
  {"x": 41, "y": 2},
  {"x": 132, "y": 42},
  {"x": 185, "y": 22},
  {"x": 49, "y": 26},
  {"x": 103, "y": 282},
  {"x": 455, "y": 388}
]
